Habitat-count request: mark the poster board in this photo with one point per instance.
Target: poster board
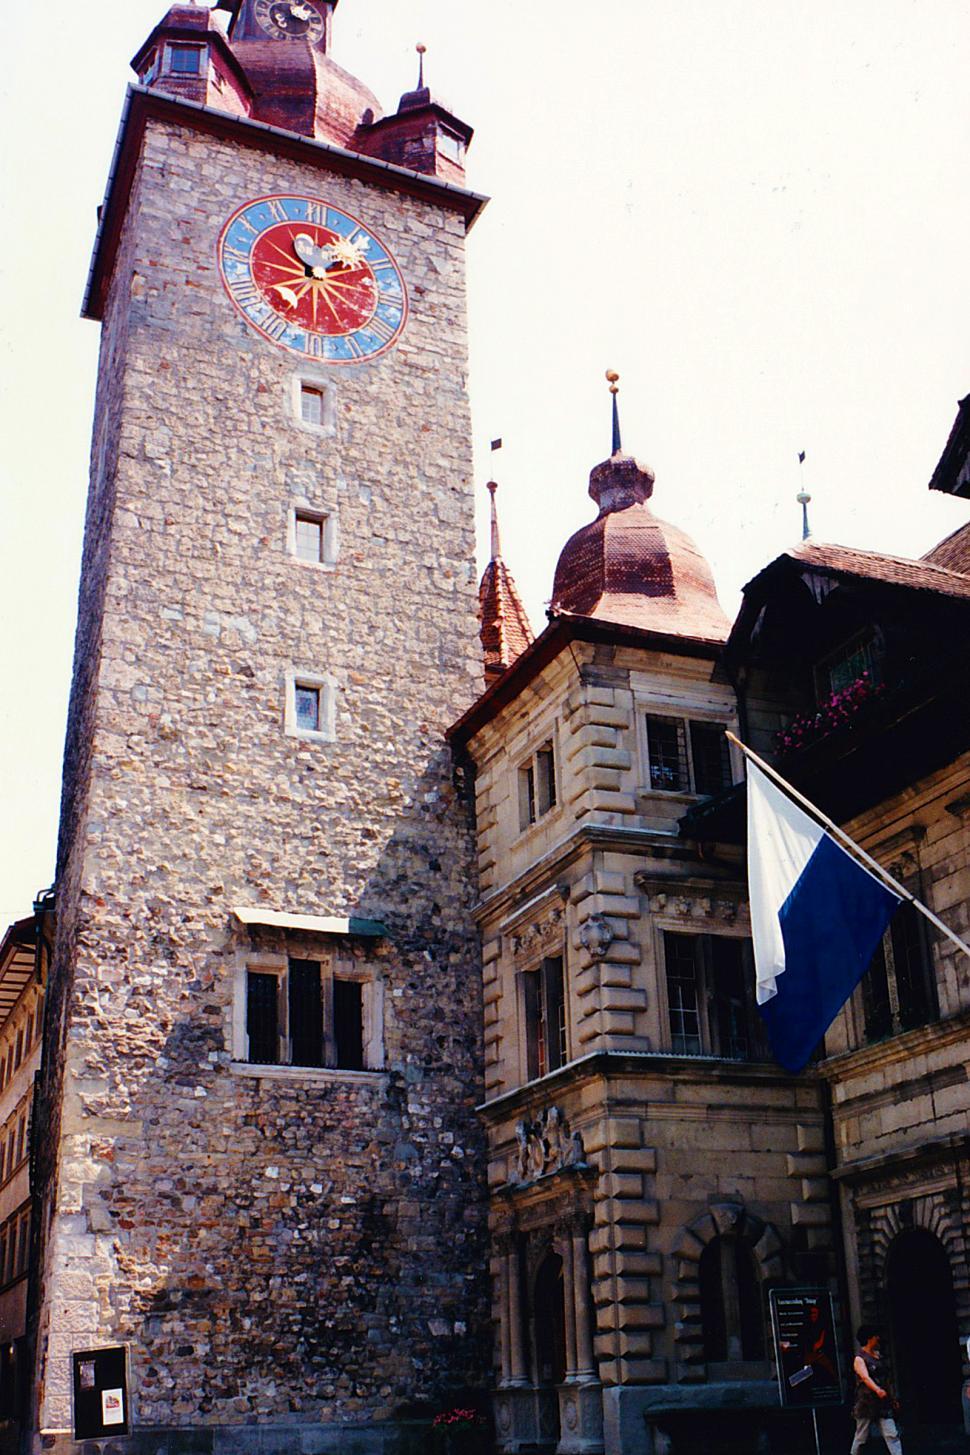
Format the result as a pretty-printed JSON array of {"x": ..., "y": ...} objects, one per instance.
[
  {"x": 101, "y": 1404},
  {"x": 806, "y": 1347}
]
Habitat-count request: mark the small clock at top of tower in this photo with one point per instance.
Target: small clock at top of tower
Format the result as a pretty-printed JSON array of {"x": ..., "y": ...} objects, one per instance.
[{"x": 290, "y": 19}]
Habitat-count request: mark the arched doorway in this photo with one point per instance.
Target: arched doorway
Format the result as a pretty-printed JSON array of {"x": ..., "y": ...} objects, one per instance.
[{"x": 925, "y": 1335}]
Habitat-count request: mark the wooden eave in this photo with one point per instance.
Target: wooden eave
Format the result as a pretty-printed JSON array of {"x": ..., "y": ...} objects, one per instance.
[
  {"x": 17, "y": 961},
  {"x": 143, "y": 105},
  {"x": 952, "y": 474},
  {"x": 562, "y": 630}
]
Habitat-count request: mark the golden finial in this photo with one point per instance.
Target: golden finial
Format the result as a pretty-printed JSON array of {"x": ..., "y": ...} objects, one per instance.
[
  {"x": 422, "y": 51},
  {"x": 613, "y": 379}
]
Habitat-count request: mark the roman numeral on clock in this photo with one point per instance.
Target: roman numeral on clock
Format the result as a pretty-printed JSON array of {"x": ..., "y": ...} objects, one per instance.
[
  {"x": 277, "y": 210},
  {"x": 383, "y": 330},
  {"x": 246, "y": 293}
]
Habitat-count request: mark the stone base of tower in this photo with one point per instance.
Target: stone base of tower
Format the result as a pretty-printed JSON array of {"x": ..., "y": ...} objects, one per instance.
[{"x": 404, "y": 1437}]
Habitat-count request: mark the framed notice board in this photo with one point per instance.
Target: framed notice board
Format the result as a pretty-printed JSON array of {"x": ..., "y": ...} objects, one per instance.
[
  {"x": 806, "y": 1347},
  {"x": 101, "y": 1405}
]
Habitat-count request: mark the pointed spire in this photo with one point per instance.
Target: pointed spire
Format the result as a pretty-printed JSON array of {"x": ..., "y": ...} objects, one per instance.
[
  {"x": 496, "y": 541},
  {"x": 422, "y": 51},
  {"x": 613, "y": 379},
  {"x": 504, "y": 628}
]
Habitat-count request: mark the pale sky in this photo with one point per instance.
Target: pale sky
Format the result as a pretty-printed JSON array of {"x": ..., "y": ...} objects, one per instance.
[{"x": 756, "y": 212}]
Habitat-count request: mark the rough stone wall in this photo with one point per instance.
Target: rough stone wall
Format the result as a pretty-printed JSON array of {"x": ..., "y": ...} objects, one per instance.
[{"x": 311, "y": 1248}]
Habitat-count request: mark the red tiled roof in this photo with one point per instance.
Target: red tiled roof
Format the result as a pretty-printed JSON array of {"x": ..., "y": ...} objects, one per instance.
[
  {"x": 630, "y": 568},
  {"x": 953, "y": 551},
  {"x": 504, "y": 626},
  {"x": 894, "y": 570}
]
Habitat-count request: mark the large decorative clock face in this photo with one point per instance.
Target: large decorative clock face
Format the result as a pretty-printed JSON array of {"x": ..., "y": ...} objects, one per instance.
[
  {"x": 289, "y": 19},
  {"x": 313, "y": 279}
]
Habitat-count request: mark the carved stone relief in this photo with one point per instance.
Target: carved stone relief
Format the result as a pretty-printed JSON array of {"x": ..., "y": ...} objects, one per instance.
[
  {"x": 546, "y": 1145},
  {"x": 545, "y": 935},
  {"x": 596, "y": 936}
]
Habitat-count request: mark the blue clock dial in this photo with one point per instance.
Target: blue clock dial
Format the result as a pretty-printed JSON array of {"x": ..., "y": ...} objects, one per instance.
[{"x": 313, "y": 279}]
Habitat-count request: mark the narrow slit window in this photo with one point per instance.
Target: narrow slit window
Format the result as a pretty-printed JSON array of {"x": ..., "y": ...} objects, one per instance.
[
  {"x": 307, "y": 708},
  {"x": 309, "y": 537},
  {"x": 546, "y": 772},
  {"x": 262, "y": 1018},
  {"x": 311, "y": 404},
  {"x": 348, "y": 1024}
]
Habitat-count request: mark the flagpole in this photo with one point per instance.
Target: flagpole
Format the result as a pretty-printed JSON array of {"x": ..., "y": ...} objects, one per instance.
[{"x": 849, "y": 843}]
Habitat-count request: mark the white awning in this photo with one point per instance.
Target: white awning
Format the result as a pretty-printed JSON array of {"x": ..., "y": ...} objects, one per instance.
[{"x": 317, "y": 924}]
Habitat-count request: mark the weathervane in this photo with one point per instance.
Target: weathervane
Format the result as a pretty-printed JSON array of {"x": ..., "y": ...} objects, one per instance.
[
  {"x": 804, "y": 499},
  {"x": 613, "y": 379}
]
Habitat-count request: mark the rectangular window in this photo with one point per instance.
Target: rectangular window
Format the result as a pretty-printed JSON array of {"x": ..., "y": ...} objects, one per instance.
[
  {"x": 263, "y": 1018},
  {"x": 537, "y": 786},
  {"x": 306, "y": 1013},
  {"x": 545, "y": 1018},
  {"x": 686, "y": 756},
  {"x": 711, "y": 758},
  {"x": 898, "y": 991},
  {"x": 19, "y": 1053},
  {"x": 309, "y": 537},
  {"x": 306, "y": 1016},
  {"x": 860, "y": 656},
  {"x": 683, "y": 980},
  {"x": 307, "y": 708},
  {"x": 185, "y": 60},
  {"x": 451, "y": 146},
  {"x": 727, "y": 992},
  {"x": 311, "y": 404},
  {"x": 710, "y": 997},
  {"x": 348, "y": 1024},
  {"x": 21, "y": 1140},
  {"x": 24, "y": 1250},
  {"x": 668, "y": 754}
]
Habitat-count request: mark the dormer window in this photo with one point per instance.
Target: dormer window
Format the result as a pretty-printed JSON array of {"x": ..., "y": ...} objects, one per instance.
[
  {"x": 185, "y": 60},
  {"x": 859, "y": 657},
  {"x": 451, "y": 146}
]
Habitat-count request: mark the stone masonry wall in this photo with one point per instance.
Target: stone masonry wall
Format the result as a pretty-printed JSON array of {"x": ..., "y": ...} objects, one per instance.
[{"x": 305, "y": 1248}]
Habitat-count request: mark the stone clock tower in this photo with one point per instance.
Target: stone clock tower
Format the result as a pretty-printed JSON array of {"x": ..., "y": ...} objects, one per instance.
[{"x": 260, "y": 1167}]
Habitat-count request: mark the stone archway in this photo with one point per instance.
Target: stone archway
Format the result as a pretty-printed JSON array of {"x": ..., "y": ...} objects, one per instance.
[
  {"x": 924, "y": 1333},
  {"x": 723, "y": 1220}
]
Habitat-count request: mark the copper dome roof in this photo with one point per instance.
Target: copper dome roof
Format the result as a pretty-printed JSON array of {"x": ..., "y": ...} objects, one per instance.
[{"x": 630, "y": 568}]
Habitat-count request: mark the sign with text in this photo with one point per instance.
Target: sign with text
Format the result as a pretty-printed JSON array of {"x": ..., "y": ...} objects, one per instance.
[
  {"x": 806, "y": 1348},
  {"x": 101, "y": 1393}
]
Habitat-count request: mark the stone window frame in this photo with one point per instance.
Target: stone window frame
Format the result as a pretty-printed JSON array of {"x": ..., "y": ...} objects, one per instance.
[
  {"x": 312, "y": 379},
  {"x": 333, "y": 966},
  {"x": 529, "y": 762},
  {"x": 531, "y": 944},
  {"x": 682, "y": 710},
  {"x": 330, "y": 532},
  {"x": 666, "y": 924},
  {"x": 327, "y": 686}
]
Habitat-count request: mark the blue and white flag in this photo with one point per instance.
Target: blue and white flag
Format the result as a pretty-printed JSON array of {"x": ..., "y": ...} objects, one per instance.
[{"x": 817, "y": 916}]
